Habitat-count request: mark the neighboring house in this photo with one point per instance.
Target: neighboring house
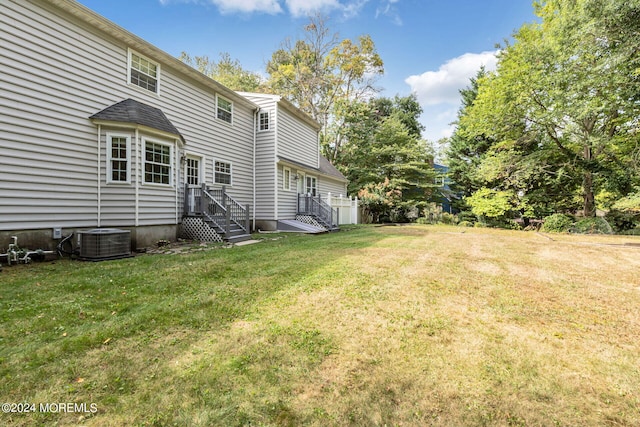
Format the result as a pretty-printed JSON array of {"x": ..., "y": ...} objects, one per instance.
[
  {"x": 289, "y": 165},
  {"x": 444, "y": 195},
  {"x": 99, "y": 128}
]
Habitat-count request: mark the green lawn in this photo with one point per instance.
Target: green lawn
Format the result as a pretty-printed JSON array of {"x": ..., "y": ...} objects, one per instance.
[{"x": 413, "y": 326}]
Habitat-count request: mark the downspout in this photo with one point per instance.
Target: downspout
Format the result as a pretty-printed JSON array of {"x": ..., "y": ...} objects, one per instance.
[
  {"x": 99, "y": 172},
  {"x": 137, "y": 179},
  {"x": 275, "y": 160},
  {"x": 176, "y": 184},
  {"x": 255, "y": 137}
]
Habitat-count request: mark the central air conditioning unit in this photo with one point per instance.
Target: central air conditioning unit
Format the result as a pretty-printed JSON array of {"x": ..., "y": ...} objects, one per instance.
[{"x": 105, "y": 243}]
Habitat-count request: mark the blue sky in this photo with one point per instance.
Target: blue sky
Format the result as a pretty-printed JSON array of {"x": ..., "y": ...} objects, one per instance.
[{"x": 430, "y": 47}]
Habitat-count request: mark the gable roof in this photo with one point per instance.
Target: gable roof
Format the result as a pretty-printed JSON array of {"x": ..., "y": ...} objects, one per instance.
[
  {"x": 286, "y": 104},
  {"x": 132, "y": 111}
]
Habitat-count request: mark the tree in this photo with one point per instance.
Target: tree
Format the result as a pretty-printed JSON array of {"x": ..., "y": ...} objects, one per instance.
[
  {"x": 226, "y": 71},
  {"x": 321, "y": 74},
  {"x": 465, "y": 151},
  {"x": 563, "y": 104},
  {"x": 383, "y": 145}
]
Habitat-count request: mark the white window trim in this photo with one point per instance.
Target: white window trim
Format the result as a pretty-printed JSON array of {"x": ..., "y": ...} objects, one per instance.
[
  {"x": 144, "y": 162},
  {"x": 110, "y": 179},
  {"x": 286, "y": 184},
  {"x": 218, "y": 97},
  {"x": 230, "y": 173},
  {"x": 268, "y": 121},
  {"x": 201, "y": 161},
  {"x": 158, "y": 72}
]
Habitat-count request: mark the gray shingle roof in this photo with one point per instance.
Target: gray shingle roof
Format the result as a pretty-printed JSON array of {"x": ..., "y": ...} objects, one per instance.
[
  {"x": 325, "y": 168},
  {"x": 328, "y": 169},
  {"x": 131, "y": 111}
]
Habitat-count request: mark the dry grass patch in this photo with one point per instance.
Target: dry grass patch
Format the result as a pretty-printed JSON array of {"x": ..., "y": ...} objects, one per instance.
[{"x": 413, "y": 325}]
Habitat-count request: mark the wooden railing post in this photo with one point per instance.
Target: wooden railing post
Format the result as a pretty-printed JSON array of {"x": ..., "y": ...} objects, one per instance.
[{"x": 247, "y": 220}]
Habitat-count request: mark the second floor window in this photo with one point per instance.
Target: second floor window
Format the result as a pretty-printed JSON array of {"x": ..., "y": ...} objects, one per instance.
[
  {"x": 264, "y": 121},
  {"x": 143, "y": 72},
  {"x": 225, "y": 110}
]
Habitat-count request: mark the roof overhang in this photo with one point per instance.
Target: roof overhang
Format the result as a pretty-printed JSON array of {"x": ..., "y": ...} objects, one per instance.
[
  {"x": 306, "y": 168},
  {"x": 93, "y": 19},
  {"x": 141, "y": 128}
]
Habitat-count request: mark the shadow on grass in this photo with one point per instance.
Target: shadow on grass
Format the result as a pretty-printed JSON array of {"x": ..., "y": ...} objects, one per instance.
[{"x": 100, "y": 332}]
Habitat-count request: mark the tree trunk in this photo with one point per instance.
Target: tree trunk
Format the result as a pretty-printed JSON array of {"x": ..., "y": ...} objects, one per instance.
[{"x": 589, "y": 198}]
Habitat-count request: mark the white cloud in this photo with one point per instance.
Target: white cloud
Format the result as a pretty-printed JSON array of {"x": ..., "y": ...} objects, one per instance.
[
  {"x": 442, "y": 86},
  {"x": 307, "y": 7},
  {"x": 248, "y": 6},
  {"x": 297, "y": 8},
  {"x": 387, "y": 8}
]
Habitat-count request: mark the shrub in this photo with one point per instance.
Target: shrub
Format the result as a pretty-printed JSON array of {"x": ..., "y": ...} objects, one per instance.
[
  {"x": 448, "y": 218},
  {"x": 595, "y": 225},
  {"x": 622, "y": 220},
  {"x": 465, "y": 224},
  {"x": 557, "y": 223},
  {"x": 467, "y": 216},
  {"x": 423, "y": 220}
]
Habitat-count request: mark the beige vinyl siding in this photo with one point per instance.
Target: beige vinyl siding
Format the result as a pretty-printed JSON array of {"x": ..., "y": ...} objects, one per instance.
[
  {"x": 54, "y": 74},
  {"x": 266, "y": 161},
  {"x": 296, "y": 139},
  {"x": 46, "y": 142},
  {"x": 328, "y": 185},
  {"x": 287, "y": 199}
]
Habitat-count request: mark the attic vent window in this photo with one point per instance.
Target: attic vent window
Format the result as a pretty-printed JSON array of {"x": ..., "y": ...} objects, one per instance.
[{"x": 143, "y": 72}]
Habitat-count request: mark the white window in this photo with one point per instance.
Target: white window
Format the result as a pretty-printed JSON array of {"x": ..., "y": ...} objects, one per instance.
[
  {"x": 311, "y": 185},
  {"x": 144, "y": 73},
  {"x": 118, "y": 158},
  {"x": 286, "y": 179},
  {"x": 225, "y": 109},
  {"x": 222, "y": 173},
  {"x": 157, "y": 163},
  {"x": 263, "y": 120}
]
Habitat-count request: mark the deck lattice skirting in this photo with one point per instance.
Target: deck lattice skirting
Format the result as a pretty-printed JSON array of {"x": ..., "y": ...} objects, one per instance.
[
  {"x": 308, "y": 219},
  {"x": 194, "y": 228}
]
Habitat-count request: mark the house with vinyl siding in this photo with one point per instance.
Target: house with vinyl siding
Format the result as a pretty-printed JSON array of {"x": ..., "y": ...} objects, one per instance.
[
  {"x": 288, "y": 162},
  {"x": 100, "y": 129}
]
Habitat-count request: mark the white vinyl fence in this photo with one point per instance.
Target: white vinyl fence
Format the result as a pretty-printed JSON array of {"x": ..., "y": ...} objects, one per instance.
[{"x": 346, "y": 207}]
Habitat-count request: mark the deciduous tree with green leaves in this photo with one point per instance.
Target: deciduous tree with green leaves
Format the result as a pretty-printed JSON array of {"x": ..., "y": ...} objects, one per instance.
[
  {"x": 561, "y": 110},
  {"x": 322, "y": 74},
  {"x": 226, "y": 70},
  {"x": 384, "y": 145}
]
